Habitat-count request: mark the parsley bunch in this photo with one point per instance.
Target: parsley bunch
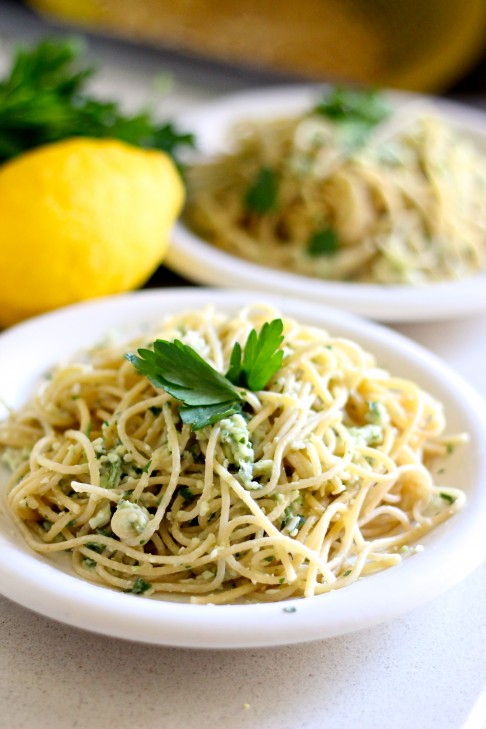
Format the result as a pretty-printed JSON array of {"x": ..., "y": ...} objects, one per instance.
[
  {"x": 44, "y": 99},
  {"x": 206, "y": 395}
]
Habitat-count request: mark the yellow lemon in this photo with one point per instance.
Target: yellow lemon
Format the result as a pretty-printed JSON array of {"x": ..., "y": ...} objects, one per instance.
[{"x": 82, "y": 218}]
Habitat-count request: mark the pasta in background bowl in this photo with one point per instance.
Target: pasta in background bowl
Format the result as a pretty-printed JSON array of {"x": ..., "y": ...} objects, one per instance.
[
  {"x": 382, "y": 215},
  {"x": 454, "y": 545}
]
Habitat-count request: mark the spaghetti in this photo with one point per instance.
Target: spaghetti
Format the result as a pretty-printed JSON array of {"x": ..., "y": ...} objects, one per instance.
[
  {"x": 323, "y": 478},
  {"x": 404, "y": 207}
]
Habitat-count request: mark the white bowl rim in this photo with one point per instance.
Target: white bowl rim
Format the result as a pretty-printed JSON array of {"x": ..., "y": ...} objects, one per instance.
[{"x": 41, "y": 586}]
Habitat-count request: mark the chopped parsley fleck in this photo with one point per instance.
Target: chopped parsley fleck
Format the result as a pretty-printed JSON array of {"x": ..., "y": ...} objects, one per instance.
[
  {"x": 323, "y": 242},
  {"x": 140, "y": 586},
  {"x": 288, "y": 516},
  {"x": 290, "y": 609},
  {"x": 447, "y": 497},
  {"x": 348, "y": 572},
  {"x": 186, "y": 493},
  {"x": 261, "y": 196},
  {"x": 450, "y": 448},
  {"x": 269, "y": 559},
  {"x": 146, "y": 468},
  {"x": 96, "y": 547},
  {"x": 88, "y": 429},
  {"x": 88, "y": 562}
]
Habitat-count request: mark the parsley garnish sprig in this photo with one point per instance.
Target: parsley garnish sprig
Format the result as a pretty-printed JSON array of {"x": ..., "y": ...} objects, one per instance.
[
  {"x": 207, "y": 396},
  {"x": 355, "y": 111},
  {"x": 261, "y": 359}
]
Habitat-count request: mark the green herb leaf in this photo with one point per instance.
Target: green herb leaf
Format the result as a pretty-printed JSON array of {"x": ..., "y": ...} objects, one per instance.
[
  {"x": 44, "y": 100},
  {"x": 356, "y": 111},
  {"x": 96, "y": 547},
  {"x": 184, "y": 374},
  {"x": 447, "y": 497},
  {"x": 140, "y": 586},
  {"x": 186, "y": 493},
  {"x": 323, "y": 242},
  {"x": 288, "y": 514},
  {"x": 261, "y": 360},
  {"x": 111, "y": 473},
  {"x": 199, "y": 417},
  {"x": 342, "y": 104},
  {"x": 206, "y": 395},
  {"x": 261, "y": 196}
]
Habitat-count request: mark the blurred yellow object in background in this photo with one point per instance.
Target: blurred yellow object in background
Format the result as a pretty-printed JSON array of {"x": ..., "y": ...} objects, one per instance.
[
  {"x": 423, "y": 45},
  {"x": 82, "y": 218}
]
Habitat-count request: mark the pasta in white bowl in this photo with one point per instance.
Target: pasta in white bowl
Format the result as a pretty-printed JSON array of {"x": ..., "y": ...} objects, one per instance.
[
  {"x": 385, "y": 219},
  {"x": 321, "y": 478}
]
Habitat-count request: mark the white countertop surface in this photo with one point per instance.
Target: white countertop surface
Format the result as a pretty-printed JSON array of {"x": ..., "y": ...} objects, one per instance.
[{"x": 422, "y": 671}]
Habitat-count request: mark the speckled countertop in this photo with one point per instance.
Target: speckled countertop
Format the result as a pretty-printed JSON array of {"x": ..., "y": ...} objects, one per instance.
[
  {"x": 421, "y": 671},
  {"x": 418, "y": 672}
]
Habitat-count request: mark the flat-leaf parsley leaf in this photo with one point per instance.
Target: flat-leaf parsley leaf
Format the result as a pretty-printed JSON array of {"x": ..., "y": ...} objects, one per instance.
[
  {"x": 139, "y": 586},
  {"x": 206, "y": 395},
  {"x": 261, "y": 359}
]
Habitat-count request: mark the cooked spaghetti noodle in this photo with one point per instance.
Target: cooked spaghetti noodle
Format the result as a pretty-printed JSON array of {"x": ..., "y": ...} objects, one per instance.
[
  {"x": 323, "y": 478},
  {"x": 406, "y": 207}
]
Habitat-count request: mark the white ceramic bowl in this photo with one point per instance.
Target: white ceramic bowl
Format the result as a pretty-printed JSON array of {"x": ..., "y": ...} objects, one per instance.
[
  {"x": 200, "y": 261},
  {"x": 451, "y": 552}
]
